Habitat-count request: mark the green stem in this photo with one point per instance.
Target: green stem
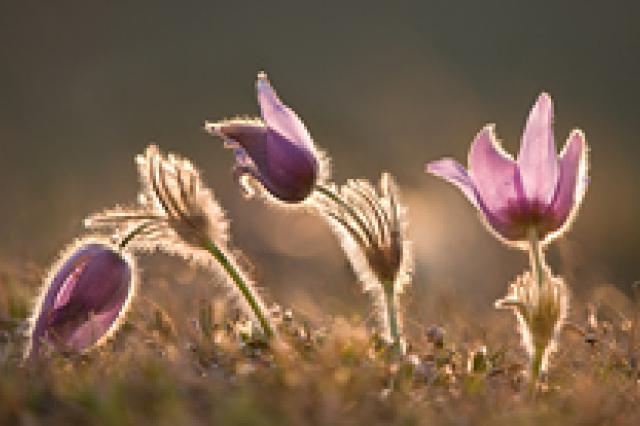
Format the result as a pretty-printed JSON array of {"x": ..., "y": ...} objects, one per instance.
[
  {"x": 536, "y": 363},
  {"x": 240, "y": 284},
  {"x": 133, "y": 233},
  {"x": 392, "y": 316}
]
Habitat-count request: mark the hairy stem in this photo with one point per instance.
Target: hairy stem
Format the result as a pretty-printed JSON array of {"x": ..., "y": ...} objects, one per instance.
[
  {"x": 535, "y": 257},
  {"x": 537, "y": 270},
  {"x": 392, "y": 316},
  {"x": 238, "y": 280},
  {"x": 536, "y": 362}
]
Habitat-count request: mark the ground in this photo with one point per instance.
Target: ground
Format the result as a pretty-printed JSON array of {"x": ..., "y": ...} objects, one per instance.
[{"x": 199, "y": 365}]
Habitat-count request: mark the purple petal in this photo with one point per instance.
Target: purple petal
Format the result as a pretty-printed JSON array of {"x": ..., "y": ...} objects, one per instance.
[
  {"x": 280, "y": 117},
  {"x": 287, "y": 170},
  {"x": 493, "y": 173},
  {"x": 537, "y": 160},
  {"x": 573, "y": 175},
  {"x": 249, "y": 135},
  {"x": 291, "y": 170},
  {"x": 83, "y": 300},
  {"x": 453, "y": 172},
  {"x": 92, "y": 330},
  {"x": 66, "y": 290}
]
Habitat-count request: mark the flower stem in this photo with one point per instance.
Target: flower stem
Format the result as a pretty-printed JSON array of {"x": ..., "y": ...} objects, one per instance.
[
  {"x": 247, "y": 292},
  {"x": 537, "y": 270},
  {"x": 535, "y": 257},
  {"x": 536, "y": 362},
  {"x": 392, "y": 316},
  {"x": 133, "y": 233}
]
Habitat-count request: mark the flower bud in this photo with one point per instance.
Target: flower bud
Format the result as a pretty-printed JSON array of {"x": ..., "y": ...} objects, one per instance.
[
  {"x": 276, "y": 151},
  {"x": 84, "y": 297}
]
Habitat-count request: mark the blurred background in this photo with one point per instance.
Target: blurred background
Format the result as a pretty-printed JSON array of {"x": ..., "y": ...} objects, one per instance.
[{"x": 84, "y": 86}]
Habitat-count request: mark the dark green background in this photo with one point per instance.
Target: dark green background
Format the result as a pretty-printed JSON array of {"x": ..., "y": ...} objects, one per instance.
[{"x": 382, "y": 86}]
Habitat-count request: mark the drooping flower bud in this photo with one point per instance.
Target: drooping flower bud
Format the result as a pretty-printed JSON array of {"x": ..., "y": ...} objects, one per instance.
[
  {"x": 83, "y": 298},
  {"x": 277, "y": 150}
]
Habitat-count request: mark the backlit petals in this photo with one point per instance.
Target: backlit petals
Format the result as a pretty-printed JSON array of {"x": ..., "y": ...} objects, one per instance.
[
  {"x": 84, "y": 296},
  {"x": 572, "y": 177},
  {"x": 278, "y": 116},
  {"x": 455, "y": 173},
  {"x": 539, "y": 192},
  {"x": 277, "y": 151},
  {"x": 538, "y": 160},
  {"x": 493, "y": 173}
]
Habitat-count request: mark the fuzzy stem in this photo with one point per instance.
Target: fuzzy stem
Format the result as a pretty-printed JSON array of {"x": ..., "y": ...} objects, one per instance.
[
  {"x": 234, "y": 274},
  {"x": 536, "y": 362},
  {"x": 537, "y": 270},
  {"x": 392, "y": 316},
  {"x": 535, "y": 257}
]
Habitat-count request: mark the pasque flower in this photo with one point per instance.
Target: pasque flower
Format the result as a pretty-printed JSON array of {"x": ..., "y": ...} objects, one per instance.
[
  {"x": 527, "y": 202},
  {"x": 277, "y": 150},
  {"x": 84, "y": 297},
  {"x": 539, "y": 190},
  {"x": 371, "y": 226},
  {"x": 178, "y": 214}
]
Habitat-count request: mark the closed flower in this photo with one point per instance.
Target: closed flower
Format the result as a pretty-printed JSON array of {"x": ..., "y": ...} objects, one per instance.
[
  {"x": 276, "y": 150},
  {"x": 84, "y": 297}
]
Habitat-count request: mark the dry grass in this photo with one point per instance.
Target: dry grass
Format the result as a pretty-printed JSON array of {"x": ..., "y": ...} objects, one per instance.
[{"x": 188, "y": 360}]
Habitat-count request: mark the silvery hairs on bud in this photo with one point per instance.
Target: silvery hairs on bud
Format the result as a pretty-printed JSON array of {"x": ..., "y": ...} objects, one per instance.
[
  {"x": 541, "y": 312},
  {"x": 176, "y": 213},
  {"x": 85, "y": 295},
  {"x": 371, "y": 226}
]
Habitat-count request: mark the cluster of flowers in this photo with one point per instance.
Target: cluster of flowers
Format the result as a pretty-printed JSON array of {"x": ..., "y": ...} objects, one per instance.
[{"x": 526, "y": 203}]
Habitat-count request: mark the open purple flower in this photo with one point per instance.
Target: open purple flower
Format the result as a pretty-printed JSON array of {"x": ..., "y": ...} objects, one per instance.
[
  {"x": 540, "y": 191},
  {"x": 83, "y": 298},
  {"x": 277, "y": 150}
]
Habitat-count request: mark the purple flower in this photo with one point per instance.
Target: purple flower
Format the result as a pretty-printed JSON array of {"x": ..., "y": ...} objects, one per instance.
[
  {"x": 539, "y": 191},
  {"x": 84, "y": 296},
  {"x": 277, "y": 150}
]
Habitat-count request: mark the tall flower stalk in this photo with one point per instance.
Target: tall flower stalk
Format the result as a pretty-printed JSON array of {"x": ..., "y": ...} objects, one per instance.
[
  {"x": 178, "y": 214},
  {"x": 527, "y": 203},
  {"x": 540, "y": 302}
]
